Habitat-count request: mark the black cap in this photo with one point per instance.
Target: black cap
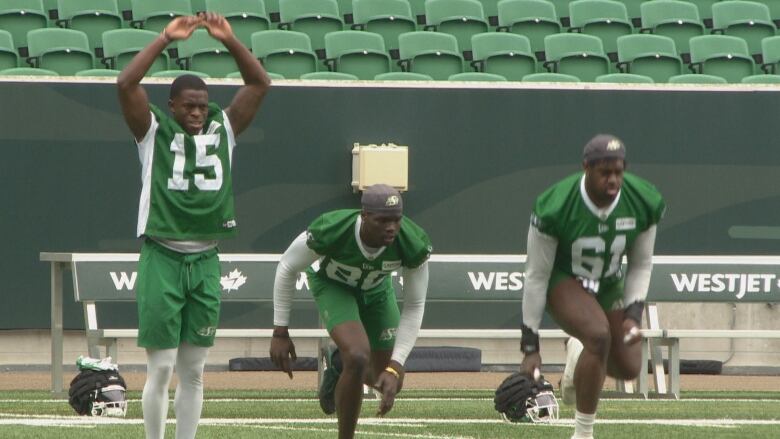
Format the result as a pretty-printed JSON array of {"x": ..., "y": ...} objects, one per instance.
[
  {"x": 381, "y": 198},
  {"x": 604, "y": 146}
]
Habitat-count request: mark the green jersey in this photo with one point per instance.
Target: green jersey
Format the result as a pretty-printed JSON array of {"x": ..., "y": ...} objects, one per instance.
[
  {"x": 335, "y": 236},
  {"x": 592, "y": 241},
  {"x": 187, "y": 189}
]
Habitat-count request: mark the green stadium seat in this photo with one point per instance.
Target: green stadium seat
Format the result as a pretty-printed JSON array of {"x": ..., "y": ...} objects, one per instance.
[
  {"x": 576, "y": 54},
  {"x": 761, "y": 79},
  {"x": 678, "y": 20},
  {"x": 315, "y": 18},
  {"x": 287, "y": 53},
  {"x": 744, "y": 19},
  {"x": 358, "y": 53},
  {"x": 389, "y": 18},
  {"x": 650, "y": 55},
  {"x": 505, "y": 54},
  {"x": 9, "y": 58},
  {"x": 477, "y": 76},
  {"x": 690, "y": 78},
  {"x": 270, "y": 75},
  {"x": 625, "y": 78},
  {"x": 66, "y": 51},
  {"x": 18, "y": 17},
  {"x": 93, "y": 17},
  {"x": 99, "y": 72},
  {"x": 154, "y": 15},
  {"x": 774, "y": 9},
  {"x": 418, "y": 11},
  {"x": 330, "y": 76},
  {"x": 121, "y": 45},
  {"x": 403, "y": 76},
  {"x": 721, "y": 55},
  {"x": 606, "y": 19},
  {"x": 245, "y": 17},
  {"x": 177, "y": 73},
  {"x": 534, "y": 19},
  {"x": 203, "y": 53},
  {"x": 770, "y": 54},
  {"x": 461, "y": 18},
  {"x": 550, "y": 77},
  {"x": 432, "y": 53},
  {"x": 126, "y": 10},
  {"x": 28, "y": 71}
]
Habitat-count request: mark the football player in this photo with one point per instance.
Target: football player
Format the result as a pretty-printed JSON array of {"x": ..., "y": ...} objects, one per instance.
[
  {"x": 357, "y": 250},
  {"x": 186, "y": 206},
  {"x": 580, "y": 229}
]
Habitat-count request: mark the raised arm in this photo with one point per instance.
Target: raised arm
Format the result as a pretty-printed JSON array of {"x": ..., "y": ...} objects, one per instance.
[
  {"x": 132, "y": 96},
  {"x": 256, "y": 82}
]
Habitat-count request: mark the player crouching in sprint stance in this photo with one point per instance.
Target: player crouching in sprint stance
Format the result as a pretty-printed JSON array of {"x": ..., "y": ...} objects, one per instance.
[
  {"x": 186, "y": 206},
  {"x": 580, "y": 229},
  {"x": 357, "y": 252}
]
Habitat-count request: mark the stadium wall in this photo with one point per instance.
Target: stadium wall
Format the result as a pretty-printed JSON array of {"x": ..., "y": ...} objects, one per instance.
[{"x": 478, "y": 158}]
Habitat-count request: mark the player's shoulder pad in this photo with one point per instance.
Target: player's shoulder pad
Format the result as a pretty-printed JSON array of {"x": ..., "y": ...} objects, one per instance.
[
  {"x": 329, "y": 228},
  {"x": 414, "y": 243},
  {"x": 647, "y": 193},
  {"x": 549, "y": 204}
]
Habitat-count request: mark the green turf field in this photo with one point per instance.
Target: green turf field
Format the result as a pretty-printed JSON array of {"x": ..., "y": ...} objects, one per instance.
[{"x": 428, "y": 414}]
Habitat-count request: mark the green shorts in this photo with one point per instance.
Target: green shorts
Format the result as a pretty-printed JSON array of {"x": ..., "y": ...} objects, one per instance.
[
  {"x": 378, "y": 311},
  {"x": 609, "y": 296},
  {"x": 178, "y": 297}
]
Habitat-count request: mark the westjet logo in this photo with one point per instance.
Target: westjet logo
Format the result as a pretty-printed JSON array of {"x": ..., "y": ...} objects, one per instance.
[
  {"x": 123, "y": 281},
  {"x": 496, "y": 280},
  {"x": 735, "y": 283}
]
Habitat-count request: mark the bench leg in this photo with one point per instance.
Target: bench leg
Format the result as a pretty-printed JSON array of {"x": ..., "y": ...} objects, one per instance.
[
  {"x": 674, "y": 367},
  {"x": 644, "y": 371}
]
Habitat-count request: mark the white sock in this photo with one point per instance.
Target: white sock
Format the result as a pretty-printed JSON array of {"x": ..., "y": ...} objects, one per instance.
[
  {"x": 583, "y": 424},
  {"x": 154, "y": 400},
  {"x": 188, "y": 401}
]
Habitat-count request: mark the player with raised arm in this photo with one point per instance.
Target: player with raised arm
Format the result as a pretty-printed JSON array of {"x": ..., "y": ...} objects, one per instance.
[
  {"x": 357, "y": 250},
  {"x": 186, "y": 205},
  {"x": 580, "y": 229}
]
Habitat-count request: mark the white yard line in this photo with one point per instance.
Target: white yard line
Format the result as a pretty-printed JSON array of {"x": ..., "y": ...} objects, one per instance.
[
  {"x": 363, "y": 433},
  {"x": 408, "y": 400},
  {"x": 41, "y": 420}
]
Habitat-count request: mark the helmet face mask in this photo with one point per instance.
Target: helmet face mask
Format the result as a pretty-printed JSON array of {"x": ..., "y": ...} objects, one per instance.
[
  {"x": 109, "y": 401},
  {"x": 543, "y": 407}
]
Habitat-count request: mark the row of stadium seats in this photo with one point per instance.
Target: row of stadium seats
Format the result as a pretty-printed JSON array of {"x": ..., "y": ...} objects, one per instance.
[
  {"x": 607, "y": 19},
  {"x": 615, "y": 78},
  {"x": 364, "y": 54}
]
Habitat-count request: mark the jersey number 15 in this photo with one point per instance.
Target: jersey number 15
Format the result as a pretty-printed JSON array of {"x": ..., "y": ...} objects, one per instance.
[{"x": 203, "y": 145}]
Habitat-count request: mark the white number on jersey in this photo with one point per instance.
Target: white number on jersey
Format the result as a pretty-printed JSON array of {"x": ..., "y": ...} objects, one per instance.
[
  {"x": 351, "y": 275},
  {"x": 591, "y": 267},
  {"x": 202, "y": 160}
]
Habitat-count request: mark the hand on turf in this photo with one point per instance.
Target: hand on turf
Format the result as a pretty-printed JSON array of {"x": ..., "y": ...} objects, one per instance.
[
  {"x": 180, "y": 28},
  {"x": 389, "y": 386},
  {"x": 217, "y": 25},
  {"x": 631, "y": 332},
  {"x": 283, "y": 354}
]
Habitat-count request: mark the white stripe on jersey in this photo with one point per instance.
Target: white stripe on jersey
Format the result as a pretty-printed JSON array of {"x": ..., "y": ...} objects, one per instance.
[
  {"x": 230, "y": 136},
  {"x": 146, "y": 155}
]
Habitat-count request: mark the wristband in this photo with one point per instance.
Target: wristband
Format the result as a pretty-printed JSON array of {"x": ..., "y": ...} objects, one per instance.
[
  {"x": 634, "y": 312},
  {"x": 393, "y": 372},
  {"x": 165, "y": 37},
  {"x": 529, "y": 343}
]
